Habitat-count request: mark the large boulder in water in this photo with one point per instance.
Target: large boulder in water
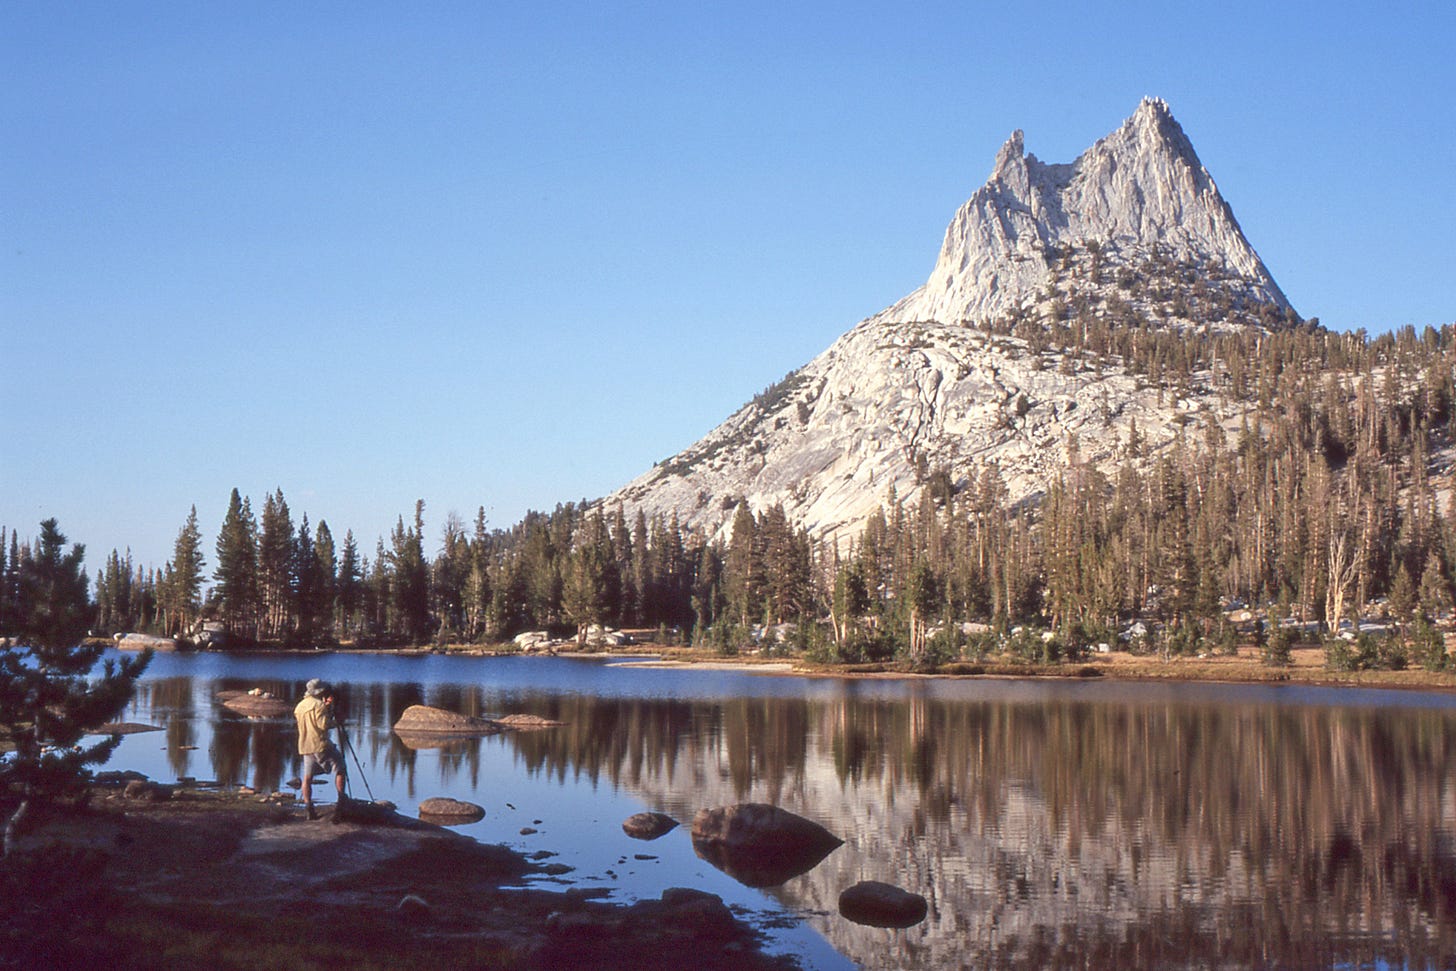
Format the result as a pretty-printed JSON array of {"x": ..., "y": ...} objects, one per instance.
[
  {"x": 648, "y": 826},
  {"x": 424, "y": 720},
  {"x": 760, "y": 845},
  {"x": 878, "y": 904}
]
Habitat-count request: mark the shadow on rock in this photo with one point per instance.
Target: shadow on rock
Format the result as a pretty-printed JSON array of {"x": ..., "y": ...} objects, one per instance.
[{"x": 760, "y": 845}]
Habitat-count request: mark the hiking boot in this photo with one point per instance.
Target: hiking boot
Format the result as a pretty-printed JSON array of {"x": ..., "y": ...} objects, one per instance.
[{"x": 312, "y": 813}]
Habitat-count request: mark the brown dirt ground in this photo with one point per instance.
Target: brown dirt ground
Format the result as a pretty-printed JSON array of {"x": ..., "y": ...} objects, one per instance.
[{"x": 220, "y": 880}]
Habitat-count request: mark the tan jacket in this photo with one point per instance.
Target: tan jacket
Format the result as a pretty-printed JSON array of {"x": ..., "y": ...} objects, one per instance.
[{"x": 314, "y": 721}]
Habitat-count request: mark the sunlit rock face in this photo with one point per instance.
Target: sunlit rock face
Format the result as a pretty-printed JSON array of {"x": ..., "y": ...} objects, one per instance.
[
  {"x": 936, "y": 388},
  {"x": 1139, "y": 188}
]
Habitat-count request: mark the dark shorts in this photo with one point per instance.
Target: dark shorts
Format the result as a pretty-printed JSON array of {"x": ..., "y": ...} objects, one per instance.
[{"x": 327, "y": 762}]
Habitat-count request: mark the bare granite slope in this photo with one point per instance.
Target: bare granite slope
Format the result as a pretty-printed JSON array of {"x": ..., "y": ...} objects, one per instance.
[{"x": 928, "y": 391}]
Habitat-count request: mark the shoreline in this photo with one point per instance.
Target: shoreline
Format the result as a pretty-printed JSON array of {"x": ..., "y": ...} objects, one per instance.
[
  {"x": 156, "y": 876},
  {"x": 1307, "y": 666}
]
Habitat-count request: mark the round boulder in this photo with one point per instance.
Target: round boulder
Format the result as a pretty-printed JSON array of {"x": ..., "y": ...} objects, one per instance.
[
  {"x": 450, "y": 812},
  {"x": 648, "y": 826},
  {"x": 878, "y": 904}
]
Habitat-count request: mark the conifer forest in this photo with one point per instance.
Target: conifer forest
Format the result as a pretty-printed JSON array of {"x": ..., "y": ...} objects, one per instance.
[{"x": 1331, "y": 502}]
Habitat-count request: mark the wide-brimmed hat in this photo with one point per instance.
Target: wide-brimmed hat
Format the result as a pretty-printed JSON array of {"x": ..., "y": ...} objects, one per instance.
[{"x": 316, "y": 688}]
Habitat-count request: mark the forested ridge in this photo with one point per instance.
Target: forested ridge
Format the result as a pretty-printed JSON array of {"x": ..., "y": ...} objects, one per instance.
[{"x": 1333, "y": 494}]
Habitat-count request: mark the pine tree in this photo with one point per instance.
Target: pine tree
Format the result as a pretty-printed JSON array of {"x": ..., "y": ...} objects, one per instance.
[
  {"x": 184, "y": 584},
  {"x": 350, "y": 589},
  {"x": 236, "y": 571},
  {"x": 409, "y": 596},
  {"x": 277, "y": 567},
  {"x": 324, "y": 606},
  {"x": 308, "y": 607},
  {"x": 50, "y": 698}
]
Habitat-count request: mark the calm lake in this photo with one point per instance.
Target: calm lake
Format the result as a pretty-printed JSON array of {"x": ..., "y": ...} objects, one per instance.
[{"x": 1048, "y": 824}]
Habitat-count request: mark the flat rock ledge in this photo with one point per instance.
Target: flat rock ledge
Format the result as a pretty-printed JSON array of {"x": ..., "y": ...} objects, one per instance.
[
  {"x": 527, "y": 722},
  {"x": 425, "y": 720},
  {"x": 254, "y": 706},
  {"x": 442, "y": 809},
  {"x": 877, "y": 904},
  {"x": 648, "y": 826},
  {"x": 125, "y": 728}
]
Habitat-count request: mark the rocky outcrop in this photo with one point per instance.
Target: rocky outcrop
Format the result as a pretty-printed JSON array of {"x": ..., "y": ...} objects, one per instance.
[
  {"x": 450, "y": 812},
  {"x": 1134, "y": 233},
  {"x": 760, "y": 845},
  {"x": 527, "y": 723},
  {"x": 877, "y": 904},
  {"x": 125, "y": 728},
  {"x": 425, "y": 720},
  {"x": 1142, "y": 187},
  {"x": 255, "y": 704},
  {"x": 142, "y": 642},
  {"x": 648, "y": 826}
]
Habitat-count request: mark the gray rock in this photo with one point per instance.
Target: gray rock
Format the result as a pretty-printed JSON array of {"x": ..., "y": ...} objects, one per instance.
[{"x": 914, "y": 388}]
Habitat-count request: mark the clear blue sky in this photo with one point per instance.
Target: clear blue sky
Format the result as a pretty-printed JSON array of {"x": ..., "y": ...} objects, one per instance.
[{"x": 511, "y": 254}]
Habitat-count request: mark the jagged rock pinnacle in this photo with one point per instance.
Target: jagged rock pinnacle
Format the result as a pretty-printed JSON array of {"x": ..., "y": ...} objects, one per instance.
[
  {"x": 1133, "y": 231},
  {"x": 1141, "y": 186}
]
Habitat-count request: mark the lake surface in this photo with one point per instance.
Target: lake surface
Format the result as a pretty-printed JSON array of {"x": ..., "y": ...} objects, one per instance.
[{"x": 1048, "y": 824}]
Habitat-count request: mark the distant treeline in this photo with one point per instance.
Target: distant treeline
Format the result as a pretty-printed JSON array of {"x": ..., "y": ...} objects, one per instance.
[{"x": 1326, "y": 499}]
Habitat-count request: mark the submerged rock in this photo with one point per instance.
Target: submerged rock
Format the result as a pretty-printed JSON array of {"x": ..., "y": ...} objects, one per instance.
[
  {"x": 877, "y": 904},
  {"x": 760, "y": 845}
]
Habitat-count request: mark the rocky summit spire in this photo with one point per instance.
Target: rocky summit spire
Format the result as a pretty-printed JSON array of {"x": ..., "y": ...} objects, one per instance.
[
  {"x": 1133, "y": 234},
  {"x": 1139, "y": 190}
]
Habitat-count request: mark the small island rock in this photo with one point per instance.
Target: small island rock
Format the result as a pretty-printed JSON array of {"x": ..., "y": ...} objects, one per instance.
[
  {"x": 442, "y": 809},
  {"x": 648, "y": 826},
  {"x": 527, "y": 722},
  {"x": 422, "y": 719},
  {"x": 877, "y": 904}
]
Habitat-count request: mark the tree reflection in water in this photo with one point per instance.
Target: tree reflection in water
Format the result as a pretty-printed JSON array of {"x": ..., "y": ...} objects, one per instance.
[{"x": 1048, "y": 833}]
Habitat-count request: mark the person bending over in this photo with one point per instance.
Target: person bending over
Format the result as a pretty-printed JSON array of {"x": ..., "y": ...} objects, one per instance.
[{"x": 315, "y": 717}]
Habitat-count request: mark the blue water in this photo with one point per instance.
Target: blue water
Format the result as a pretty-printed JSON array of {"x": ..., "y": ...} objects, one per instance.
[{"x": 1052, "y": 822}]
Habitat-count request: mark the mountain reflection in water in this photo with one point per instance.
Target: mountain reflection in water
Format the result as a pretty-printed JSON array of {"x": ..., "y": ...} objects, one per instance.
[{"x": 1048, "y": 825}]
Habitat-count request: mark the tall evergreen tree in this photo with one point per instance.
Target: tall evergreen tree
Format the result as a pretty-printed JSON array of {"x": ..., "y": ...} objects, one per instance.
[
  {"x": 50, "y": 695},
  {"x": 277, "y": 567},
  {"x": 236, "y": 571},
  {"x": 350, "y": 589},
  {"x": 184, "y": 584},
  {"x": 410, "y": 580}
]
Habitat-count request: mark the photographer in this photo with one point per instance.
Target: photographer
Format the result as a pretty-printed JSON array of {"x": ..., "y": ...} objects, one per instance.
[{"x": 315, "y": 717}]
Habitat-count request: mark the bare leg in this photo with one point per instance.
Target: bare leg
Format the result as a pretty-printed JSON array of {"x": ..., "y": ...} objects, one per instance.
[{"x": 308, "y": 796}]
